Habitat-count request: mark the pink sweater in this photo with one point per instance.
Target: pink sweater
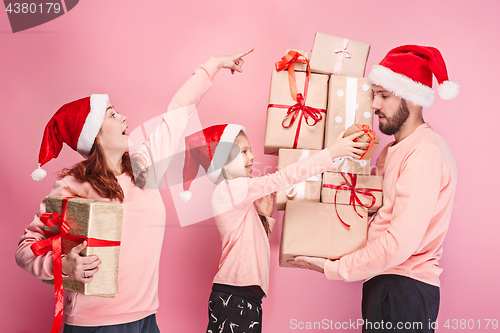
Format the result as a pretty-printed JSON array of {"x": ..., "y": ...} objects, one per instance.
[
  {"x": 245, "y": 256},
  {"x": 405, "y": 237},
  {"x": 143, "y": 223}
]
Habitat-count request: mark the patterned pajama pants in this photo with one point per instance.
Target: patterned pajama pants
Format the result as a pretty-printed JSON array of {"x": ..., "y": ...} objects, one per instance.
[{"x": 229, "y": 313}]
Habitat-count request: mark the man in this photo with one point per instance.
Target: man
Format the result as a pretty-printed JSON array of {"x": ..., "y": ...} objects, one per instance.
[{"x": 400, "y": 262}]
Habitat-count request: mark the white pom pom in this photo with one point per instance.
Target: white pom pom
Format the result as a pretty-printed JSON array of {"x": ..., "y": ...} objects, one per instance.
[
  {"x": 448, "y": 90},
  {"x": 185, "y": 196},
  {"x": 39, "y": 174}
]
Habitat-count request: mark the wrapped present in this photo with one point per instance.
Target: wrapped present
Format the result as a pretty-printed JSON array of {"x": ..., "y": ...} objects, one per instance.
[
  {"x": 69, "y": 221},
  {"x": 100, "y": 224},
  {"x": 352, "y": 189},
  {"x": 296, "y": 110},
  {"x": 300, "y": 65},
  {"x": 337, "y": 55},
  {"x": 369, "y": 137},
  {"x": 314, "y": 229},
  {"x": 308, "y": 190},
  {"x": 349, "y": 102},
  {"x": 347, "y": 164}
]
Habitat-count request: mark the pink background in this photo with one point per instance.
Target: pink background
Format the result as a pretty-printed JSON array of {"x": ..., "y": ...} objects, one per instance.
[{"x": 140, "y": 52}]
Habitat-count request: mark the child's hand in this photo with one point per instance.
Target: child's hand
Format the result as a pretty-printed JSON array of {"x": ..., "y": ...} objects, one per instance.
[
  {"x": 233, "y": 62},
  {"x": 347, "y": 147},
  {"x": 266, "y": 205}
]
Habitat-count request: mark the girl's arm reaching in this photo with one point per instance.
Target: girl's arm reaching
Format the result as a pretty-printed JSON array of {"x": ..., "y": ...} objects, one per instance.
[{"x": 242, "y": 191}]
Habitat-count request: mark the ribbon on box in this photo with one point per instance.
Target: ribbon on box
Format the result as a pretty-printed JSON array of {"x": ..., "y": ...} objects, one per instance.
[
  {"x": 350, "y": 185},
  {"x": 300, "y": 109},
  {"x": 341, "y": 160},
  {"x": 343, "y": 54},
  {"x": 371, "y": 135},
  {"x": 53, "y": 242},
  {"x": 299, "y": 189}
]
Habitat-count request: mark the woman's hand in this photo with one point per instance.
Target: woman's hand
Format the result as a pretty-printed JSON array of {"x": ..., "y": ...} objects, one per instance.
[
  {"x": 266, "y": 205},
  {"x": 233, "y": 62},
  {"x": 78, "y": 267},
  {"x": 347, "y": 147}
]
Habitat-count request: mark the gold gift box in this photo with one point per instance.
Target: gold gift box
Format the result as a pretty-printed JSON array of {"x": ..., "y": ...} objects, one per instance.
[{"x": 92, "y": 219}]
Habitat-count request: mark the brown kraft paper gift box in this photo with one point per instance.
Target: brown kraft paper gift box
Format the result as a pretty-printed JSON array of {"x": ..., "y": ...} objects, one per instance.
[
  {"x": 313, "y": 229},
  {"x": 310, "y": 137},
  {"x": 364, "y": 138},
  {"x": 328, "y": 49},
  {"x": 372, "y": 184},
  {"x": 309, "y": 190},
  {"x": 93, "y": 219}
]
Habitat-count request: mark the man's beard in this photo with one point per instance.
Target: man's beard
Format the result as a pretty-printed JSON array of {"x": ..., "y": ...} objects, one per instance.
[{"x": 393, "y": 124}]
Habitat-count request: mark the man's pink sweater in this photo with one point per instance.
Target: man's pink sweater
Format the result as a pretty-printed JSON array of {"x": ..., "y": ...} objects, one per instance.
[
  {"x": 143, "y": 223},
  {"x": 406, "y": 235},
  {"x": 245, "y": 256}
]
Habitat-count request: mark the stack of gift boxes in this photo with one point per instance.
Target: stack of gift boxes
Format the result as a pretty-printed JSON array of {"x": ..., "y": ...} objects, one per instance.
[{"x": 310, "y": 103}]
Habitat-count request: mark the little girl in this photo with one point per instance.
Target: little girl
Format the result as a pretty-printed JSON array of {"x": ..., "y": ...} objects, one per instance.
[{"x": 245, "y": 224}]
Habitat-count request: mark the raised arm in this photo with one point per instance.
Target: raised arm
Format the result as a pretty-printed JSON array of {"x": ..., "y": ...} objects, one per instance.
[{"x": 163, "y": 142}]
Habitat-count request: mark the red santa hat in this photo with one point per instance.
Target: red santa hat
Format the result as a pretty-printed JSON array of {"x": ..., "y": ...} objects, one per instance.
[
  {"x": 209, "y": 148},
  {"x": 76, "y": 124},
  {"x": 407, "y": 72}
]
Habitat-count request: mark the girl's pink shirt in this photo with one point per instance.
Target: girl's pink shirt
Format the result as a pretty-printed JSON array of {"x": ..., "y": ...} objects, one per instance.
[
  {"x": 245, "y": 259},
  {"x": 143, "y": 222}
]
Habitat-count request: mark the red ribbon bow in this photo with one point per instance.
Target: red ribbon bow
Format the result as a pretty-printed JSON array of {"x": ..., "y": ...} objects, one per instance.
[
  {"x": 53, "y": 242},
  {"x": 371, "y": 135},
  {"x": 354, "y": 199},
  {"x": 308, "y": 112}
]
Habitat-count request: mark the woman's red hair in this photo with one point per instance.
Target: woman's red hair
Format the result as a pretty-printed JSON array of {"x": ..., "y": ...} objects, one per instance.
[{"x": 96, "y": 172}]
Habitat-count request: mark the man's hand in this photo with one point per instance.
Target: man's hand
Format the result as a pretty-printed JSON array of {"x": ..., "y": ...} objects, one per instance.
[{"x": 312, "y": 263}]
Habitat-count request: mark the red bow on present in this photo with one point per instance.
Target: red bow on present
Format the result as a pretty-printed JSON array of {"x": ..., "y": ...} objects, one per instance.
[
  {"x": 53, "y": 243},
  {"x": 370, "y": 133},
  {"x": 354, "y": 199},
  {"x": 308, "y": 112}
]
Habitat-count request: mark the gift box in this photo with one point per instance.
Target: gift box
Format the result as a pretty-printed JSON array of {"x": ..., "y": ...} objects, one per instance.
[
  {"x": 349, "y": 164},
  {"x": 309, "y": 190},
  {"x": 296, "y": 123},
  {"x": 337, "y": 55},
  {"x": 352, "y": 189},
  {"x": 349, "y": 102},
  {"x": 100, "y": 224},
  {"x": 314, "y": 229},
  {"x": 298, "y": 66},
  {"x": 369, "y": 137}
]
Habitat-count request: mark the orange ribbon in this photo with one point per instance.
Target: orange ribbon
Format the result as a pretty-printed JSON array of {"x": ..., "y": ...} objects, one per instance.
[
  {"x": 287, "y": 62},
  {"x": 371, "y": 135}
]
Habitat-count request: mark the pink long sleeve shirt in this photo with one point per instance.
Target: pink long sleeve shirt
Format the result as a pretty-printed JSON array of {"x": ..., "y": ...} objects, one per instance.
[
  {"x": 143, "y": 223},
  {"x": 245, "y": 256},
  {"x": 405, "y": 237}
]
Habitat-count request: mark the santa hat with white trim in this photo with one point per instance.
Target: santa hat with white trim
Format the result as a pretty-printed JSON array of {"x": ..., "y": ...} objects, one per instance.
[
  {"x": 209, "y": 148},
  {"x": 76, "y": 124},
  {"x": 407, "y": 72}
]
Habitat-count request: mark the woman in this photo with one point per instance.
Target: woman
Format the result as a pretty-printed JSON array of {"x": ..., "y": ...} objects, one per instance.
[{"x": 95, "y": 129}]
